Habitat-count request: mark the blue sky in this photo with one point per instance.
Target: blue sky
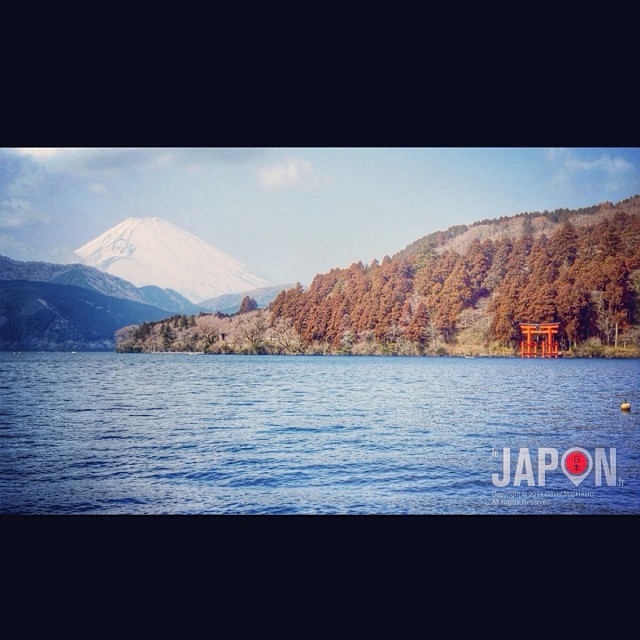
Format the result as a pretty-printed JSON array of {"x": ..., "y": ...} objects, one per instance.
[{"x": 292, "y": 213}]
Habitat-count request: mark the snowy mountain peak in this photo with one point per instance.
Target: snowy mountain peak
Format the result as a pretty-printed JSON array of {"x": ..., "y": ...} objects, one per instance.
[{"x": 153, "y": 251}]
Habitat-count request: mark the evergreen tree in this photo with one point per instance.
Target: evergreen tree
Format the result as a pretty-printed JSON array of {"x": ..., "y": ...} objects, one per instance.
[{"x": 247, "y": 304}]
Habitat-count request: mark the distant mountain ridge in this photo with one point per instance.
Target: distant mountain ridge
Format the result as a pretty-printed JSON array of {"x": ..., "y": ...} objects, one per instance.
[
  {"x": 42, "y": 316},
  {"x": 46, "y": 306},
  {"x": 153, "y": 251},
  {"x": 230, "y": 302},
  {"x": 94, "y": 280},
  {"x": 168, "y": 299},
  {"x": 72, "y": 274}
]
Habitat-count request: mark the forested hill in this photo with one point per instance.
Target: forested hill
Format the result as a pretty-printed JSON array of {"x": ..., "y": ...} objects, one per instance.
[
  {"x": 79, "y": 275},
  {"x": 459, "y": 237},
  {"x": 42, "y": 316},
  {"x": 466, "y": 290}
]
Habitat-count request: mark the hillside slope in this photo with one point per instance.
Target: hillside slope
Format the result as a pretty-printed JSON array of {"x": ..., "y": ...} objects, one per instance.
[
  {"x": 49, "y": 317},
  {"x": 70, "y": 274},
  {"x": 460, "y": 237},
  {"x": 434, "y": 299},
  {"x": 90, "y": 278}
]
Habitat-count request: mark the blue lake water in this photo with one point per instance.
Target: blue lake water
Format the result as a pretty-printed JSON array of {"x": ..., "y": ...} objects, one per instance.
[{"x": 106, "y": 433}]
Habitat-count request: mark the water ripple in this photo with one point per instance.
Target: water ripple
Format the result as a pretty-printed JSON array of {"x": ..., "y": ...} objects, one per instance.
[{"x": 116, "y": 433}]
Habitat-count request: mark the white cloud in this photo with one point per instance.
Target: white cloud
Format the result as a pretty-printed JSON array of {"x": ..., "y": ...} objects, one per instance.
[
  {"x": 292, "y": 172},
  {"x": 91, "y": 162},
  {"x": 607, "y": 164},
  {"x": 7, "y": 243},
  {"x": 16, "y": 214},
  {"x": 43, "y": 153},
  {"x": 17, "y": 209},
  {"x": 13, "y": 212},
  {"x": 98, "y": 188},
  {"x": 573, "y": 171},
  {"x": 570, "y": 161},
  {"x": 554, "y": 154}
]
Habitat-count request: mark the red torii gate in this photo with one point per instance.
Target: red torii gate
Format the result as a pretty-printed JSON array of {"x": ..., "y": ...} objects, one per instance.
[{"x": 531, "y": 348}]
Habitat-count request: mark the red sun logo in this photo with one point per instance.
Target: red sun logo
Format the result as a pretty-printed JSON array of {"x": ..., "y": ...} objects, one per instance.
[{"x": 576, "y": 463}]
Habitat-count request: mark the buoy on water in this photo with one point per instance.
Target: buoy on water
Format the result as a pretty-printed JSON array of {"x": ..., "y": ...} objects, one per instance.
[{"x": 625, "y": 406}]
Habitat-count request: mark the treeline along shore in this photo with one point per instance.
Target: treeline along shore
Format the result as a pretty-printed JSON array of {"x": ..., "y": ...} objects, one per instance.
[{"x": 462, "y": 292}]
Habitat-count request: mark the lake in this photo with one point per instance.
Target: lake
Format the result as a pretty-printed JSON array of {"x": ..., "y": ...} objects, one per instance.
[{"x": 107, "y": 433}]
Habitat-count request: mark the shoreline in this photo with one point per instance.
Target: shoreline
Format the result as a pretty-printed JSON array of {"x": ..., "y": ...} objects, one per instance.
[{"x": 630, "y": 356}]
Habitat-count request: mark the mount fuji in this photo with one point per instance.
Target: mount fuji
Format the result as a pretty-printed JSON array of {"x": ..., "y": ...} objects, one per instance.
[{"x": 153, "y": 251}]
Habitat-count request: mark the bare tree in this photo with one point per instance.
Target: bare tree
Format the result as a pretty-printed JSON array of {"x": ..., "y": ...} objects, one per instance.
[
  {"x": 210, "y": 335},
  {"x": 286, "y": 337},
  {"x": 253, "y": 331},
  {"x": 604, "y": 315}
]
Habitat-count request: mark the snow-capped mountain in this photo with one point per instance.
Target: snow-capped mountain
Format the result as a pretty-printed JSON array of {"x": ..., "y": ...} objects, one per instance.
[{"x": 153, "y": 251}]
